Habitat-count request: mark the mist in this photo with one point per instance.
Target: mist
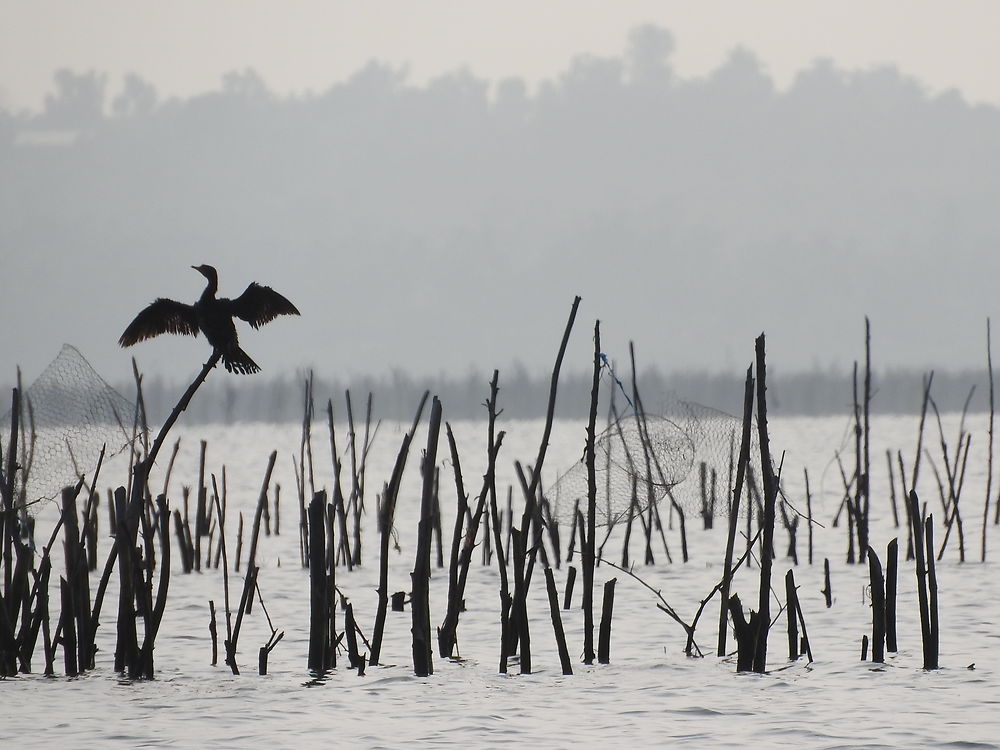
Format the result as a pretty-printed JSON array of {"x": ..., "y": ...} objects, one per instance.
[{"x": 443, "y": 229}]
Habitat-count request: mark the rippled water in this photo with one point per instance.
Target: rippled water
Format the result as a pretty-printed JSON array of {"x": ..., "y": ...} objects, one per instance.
[{"x": 650, "y": 694}]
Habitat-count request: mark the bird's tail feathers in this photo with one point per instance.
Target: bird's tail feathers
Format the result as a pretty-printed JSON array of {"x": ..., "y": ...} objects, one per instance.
[{"x": 239, "y": 362}]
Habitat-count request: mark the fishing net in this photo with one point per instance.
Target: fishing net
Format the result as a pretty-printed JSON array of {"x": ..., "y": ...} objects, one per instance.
[
  {"x": 67, "y": 415},
  {"x": 689, "y": 455}
]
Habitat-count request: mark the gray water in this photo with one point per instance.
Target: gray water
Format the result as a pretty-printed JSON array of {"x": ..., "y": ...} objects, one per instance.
[{"x": 650, "y": 695}]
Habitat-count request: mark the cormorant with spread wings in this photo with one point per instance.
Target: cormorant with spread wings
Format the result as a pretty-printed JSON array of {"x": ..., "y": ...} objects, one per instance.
[{"x": 212, "y": 316}]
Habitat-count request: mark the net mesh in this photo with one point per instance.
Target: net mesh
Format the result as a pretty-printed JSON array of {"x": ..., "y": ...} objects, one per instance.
[
  {"x": 687, "y": 444},
  {"x": 67, "y": 415}
]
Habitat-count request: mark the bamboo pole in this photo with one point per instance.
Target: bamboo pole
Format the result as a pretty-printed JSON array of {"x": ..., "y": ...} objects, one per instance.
[
  {"x": 745, "y": 629},
  {"x": 523, "y": 567},
  {"x": 420, "y": 599},
  {"x": 919, "y": 538},
  {"x": 506, "y": 601},
  {"x": 387, "y": 512},
  {"x": 805, "y": 644},
  {"x": 877, "y": 580},
  {"x": 892, "y": 489},
  {"x": 258, "y": 515},
  {"x": 932, "y": 599},
  {"x": 770, "y": 493},
  {"x": 863, "y": 537},
  {"x": 8, "y": 494},
  {"x": 557, "y": 626},
  {"x": 734, "y": 509},
  {"x": 359, "y": 503},
  {"x": 589, "y": 538},
  {"x": 792, "y": 616},
  {"x": 126, "y": 648},
  {"x": 354, "y": 658},
  {"x": 827, "y": 591},
  {"x": 201, "y": 511},
  {"x": 648, "y": 455},
  {"x": 462, "y": 555},
  {"x": 891, "y": 566},
  {"x": 928, "y": 380},
  {"x": 989, "y": 448},
  {"x": 519, "y": 616},
  {"x": 213, "y": 631},
  {"x": 570, "y": 582},
  {"x": 352, "y": 503},
  {"x": 163, "y": 587},
  {"x": 607, "y": 611},
  {"x": 339, "y": 504},
  {"x": 139, "y": 476},
  {"x": 319, "y": 618},
  {"x": 809, "y": 515}
]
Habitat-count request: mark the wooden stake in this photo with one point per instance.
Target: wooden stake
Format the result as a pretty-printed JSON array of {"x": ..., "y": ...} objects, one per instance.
[
  {"x": 827, "y": 591},
  {"x": 878, "y": 607},
  {"x": 319, "y": 618},
  {"x": 791, "y": 613},
  {"x": 892, "y": 562},
  {"x": 387, "y": 513},
  {"x": 770, "y": 494},
  {"x": 213, "y": 630},
  {"x": 604, "y": 642},
  {"x": 734, "y": 510},
  {"x": 557, "y": 626},
  {"x": 420, "y": 577},
  {"x": 570, "y": 581}
]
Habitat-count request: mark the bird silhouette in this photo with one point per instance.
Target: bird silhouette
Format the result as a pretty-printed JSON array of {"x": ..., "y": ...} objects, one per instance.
[{"x": 212, "y": 316}]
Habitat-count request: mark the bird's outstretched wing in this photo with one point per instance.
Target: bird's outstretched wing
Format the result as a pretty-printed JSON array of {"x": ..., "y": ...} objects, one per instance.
[
  {"x": 261, "y": 304},
  {"x": 161, "y": 316}
]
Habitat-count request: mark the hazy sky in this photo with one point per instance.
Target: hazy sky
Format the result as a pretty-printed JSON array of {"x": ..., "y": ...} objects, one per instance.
[
  {"x": 429, "y": 205},
  {"x": 185, "y": 46}
]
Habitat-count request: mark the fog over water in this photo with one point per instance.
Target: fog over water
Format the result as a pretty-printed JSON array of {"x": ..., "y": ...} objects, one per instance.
[
  {"x": 443, "y": 227},
  {"x": 432, "y": 215}
]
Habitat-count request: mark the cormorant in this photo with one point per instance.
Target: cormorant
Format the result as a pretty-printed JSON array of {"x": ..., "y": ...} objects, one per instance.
[{"x": 213, "y": 317}]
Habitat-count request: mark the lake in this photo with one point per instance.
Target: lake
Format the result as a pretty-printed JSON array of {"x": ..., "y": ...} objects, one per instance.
[{"x": 650, "y": 694}]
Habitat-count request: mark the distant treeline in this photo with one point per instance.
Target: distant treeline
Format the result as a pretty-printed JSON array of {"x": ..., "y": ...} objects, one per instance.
[
  {"x": 523, "y": 395},
  {"x": 448, "y": 223}
]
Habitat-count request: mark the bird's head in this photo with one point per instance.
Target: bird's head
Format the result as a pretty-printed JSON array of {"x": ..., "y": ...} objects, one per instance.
[{"x": 208, "y": 272}]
